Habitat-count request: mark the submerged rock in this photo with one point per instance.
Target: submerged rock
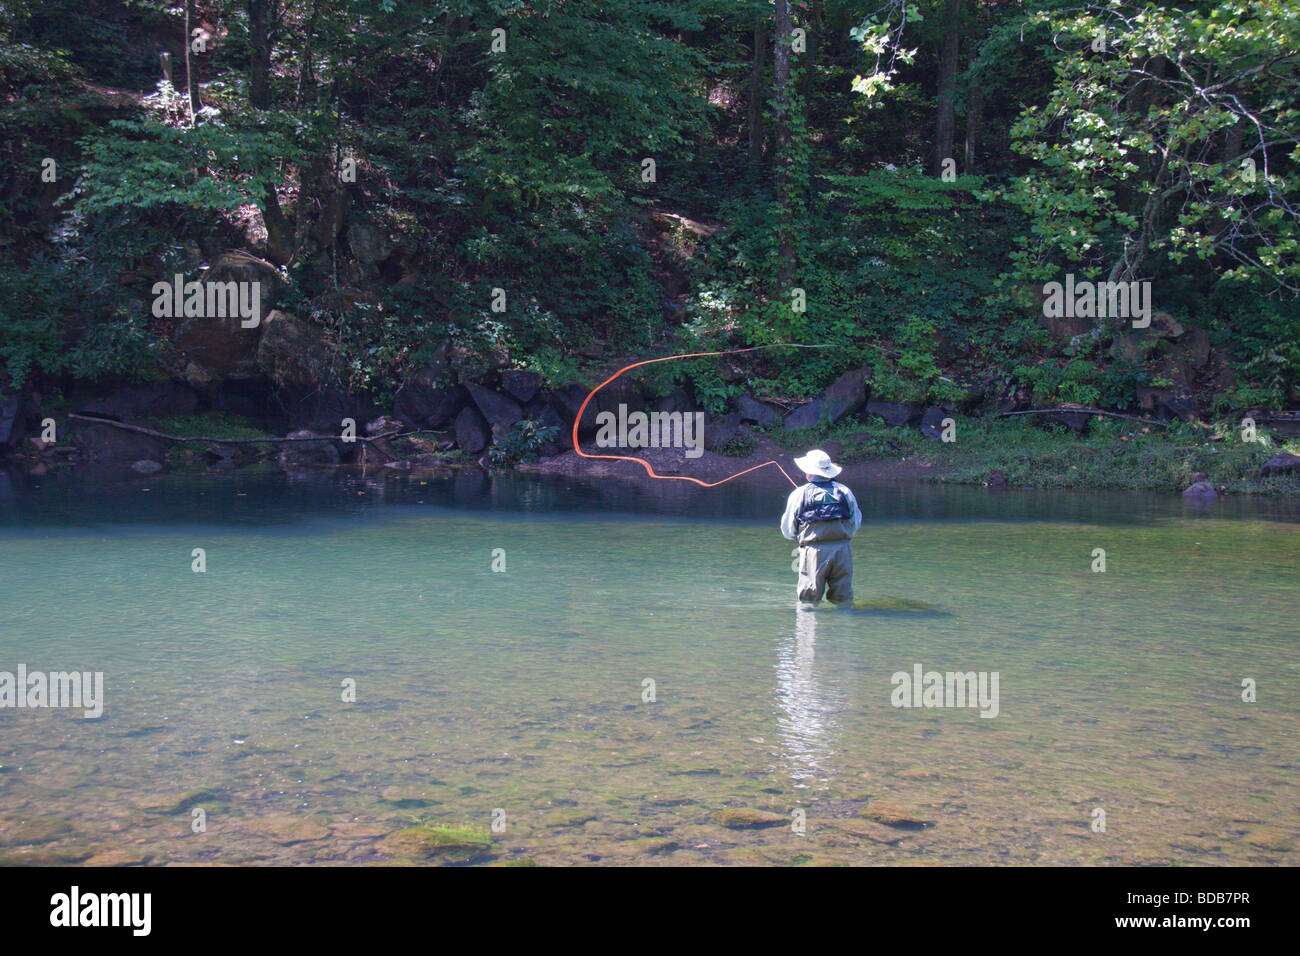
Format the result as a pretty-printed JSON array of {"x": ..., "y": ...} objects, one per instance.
[
  {"x": 453, "y": 844},
  {"x": 747, "y": 818},
  {"x": 286, "y": 830},
  {"x": 27, "y": 830},
  {"x": 894, "y": 814}
]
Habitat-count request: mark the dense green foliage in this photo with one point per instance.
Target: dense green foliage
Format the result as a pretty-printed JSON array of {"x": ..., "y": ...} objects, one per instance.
[{"x": 536, "y": 148}]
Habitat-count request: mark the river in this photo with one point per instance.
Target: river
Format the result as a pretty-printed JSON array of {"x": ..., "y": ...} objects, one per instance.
[{"x": 633, "y": 683}]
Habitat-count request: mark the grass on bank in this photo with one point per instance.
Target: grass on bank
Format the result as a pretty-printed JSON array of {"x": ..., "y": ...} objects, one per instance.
[{"x": 1113, "y": 454}]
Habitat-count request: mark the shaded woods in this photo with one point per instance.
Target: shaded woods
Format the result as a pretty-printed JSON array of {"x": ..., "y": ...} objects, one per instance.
[{"x": 435, "y": 196}]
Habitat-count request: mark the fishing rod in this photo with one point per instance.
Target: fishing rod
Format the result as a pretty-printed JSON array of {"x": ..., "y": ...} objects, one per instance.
[{"x": 669, "y": 358}]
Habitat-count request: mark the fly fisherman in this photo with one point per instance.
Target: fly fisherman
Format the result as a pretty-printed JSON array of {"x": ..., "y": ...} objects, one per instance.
[{"x": 822, "y": 516}]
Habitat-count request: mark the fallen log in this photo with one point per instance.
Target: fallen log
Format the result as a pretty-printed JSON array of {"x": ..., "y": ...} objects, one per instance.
[
  {"x": 1083, "y": 411},
  {"x": 231, "y": 441}
]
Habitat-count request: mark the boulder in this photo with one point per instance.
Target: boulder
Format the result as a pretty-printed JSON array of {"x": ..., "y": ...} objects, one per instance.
[
  {"x": 146, "y": 466},
  {"x": 104, "y": 444},
  {"x": 1197, "y": 344},
  {"x": 1063, "y": 328},
  {"x": 1177, "y": 402},
  {"x": 1165, "y": 326},
  {"x": 369, "y": 243},
  {"x": 752, "y": 410},
  {"x": 1077, "y": 422},
  {"x": 496, "y": 408},
  {"x": 896, "y": 414},
  {"x": 932, "y": 422},
  {"x": 299, "y": 453},
  {"x": 1201, "y": 491},
  {"x": 199, "y": 378},
  {"x": 720, "y": 429},
  {"x": 675, "y": 401},
  {"x": 521, "y": 385},
  {"x": 144, "y": 402},
  {"x": 292, "y": 352},
  {"x": 321, "y": 409},
  {"x": 1280, "y": 465},
  {"x": 223, "y": 346},
  {"x": 471, "y": 431},
  {"x": 423, "y": 403},
  {"x": 846, "y": 395},
  {"x": 567, "y": 399}
]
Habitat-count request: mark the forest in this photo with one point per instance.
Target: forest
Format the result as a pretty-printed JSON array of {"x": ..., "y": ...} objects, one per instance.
[{"x": 456, "y": 218}]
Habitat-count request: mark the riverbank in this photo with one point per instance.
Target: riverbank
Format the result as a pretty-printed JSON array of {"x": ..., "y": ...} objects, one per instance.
[
  {"x": 1000, "y": 453},
  {"x": 1012, "y": 453}
]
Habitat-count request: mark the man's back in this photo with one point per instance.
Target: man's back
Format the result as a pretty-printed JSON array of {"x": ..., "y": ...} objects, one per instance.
[{"x": 812, "y": 517}]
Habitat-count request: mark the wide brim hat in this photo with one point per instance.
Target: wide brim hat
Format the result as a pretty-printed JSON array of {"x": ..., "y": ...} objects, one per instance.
[{"x": 817, "y": 462}]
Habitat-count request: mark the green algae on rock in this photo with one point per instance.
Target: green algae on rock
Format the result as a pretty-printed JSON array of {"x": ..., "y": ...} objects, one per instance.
[
  {"x": 452, "y": 844},
  {"x": 18, "y": 830},
  {"x": 747, "y": 818}
]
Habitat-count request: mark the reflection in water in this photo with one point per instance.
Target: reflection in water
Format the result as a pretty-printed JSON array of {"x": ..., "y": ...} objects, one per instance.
[{"x": 805, "y": 722}]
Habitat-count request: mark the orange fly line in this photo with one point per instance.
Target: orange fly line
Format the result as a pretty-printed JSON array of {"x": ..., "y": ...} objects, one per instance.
[{"x": 645, "y": 464}]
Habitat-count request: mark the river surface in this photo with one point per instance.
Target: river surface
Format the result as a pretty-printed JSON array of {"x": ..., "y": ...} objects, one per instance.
[{"x": 637, "y": 686}]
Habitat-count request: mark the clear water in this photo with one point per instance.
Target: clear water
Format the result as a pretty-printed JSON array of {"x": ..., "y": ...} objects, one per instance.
[{"x": 522, "y": 692}]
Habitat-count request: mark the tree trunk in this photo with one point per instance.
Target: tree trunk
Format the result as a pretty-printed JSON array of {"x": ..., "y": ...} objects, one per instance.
[
  {"x": 781, "y": 135},
  {"x": 945, "y": 120},
  {"x": 189, "y": 63},
  {"x": 279, "y": 232},
  {"x": 974, "y": 126},
  {"x": 756, "y": 96},
  {"x": 259, "y": 60}
]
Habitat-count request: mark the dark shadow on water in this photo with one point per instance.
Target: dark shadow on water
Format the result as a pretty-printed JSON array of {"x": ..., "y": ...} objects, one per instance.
[
  {"x": 87, "y": 497},
  {"x": 886, "y": 606}
]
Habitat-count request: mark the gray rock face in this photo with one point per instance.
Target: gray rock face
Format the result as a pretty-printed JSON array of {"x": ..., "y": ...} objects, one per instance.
[
  {"x": 846, "y": 395},
  {"x": 471, "y": 431},
  {"x": 223, "y": 346},
  {"x": 103, "y": 444},
  {"x": 521, "y": 385},
  {"x": 423, "y": 404},
  {"x": 932, "y": 422},
  {"x": 291, "y": 351},
  {"x": 300, "y": 453},
  {"x": 718, "y": 430},
  {"x": 676, "y": 401},
  {"x": 752, "y": 410},
  {"x": 142, "y": 402},
  {"x": 496, "y": 408},
  {"x": 11, "y": 421},
  {"x": 369, "y": 243},
  {"x": 896, "y": 414}
]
